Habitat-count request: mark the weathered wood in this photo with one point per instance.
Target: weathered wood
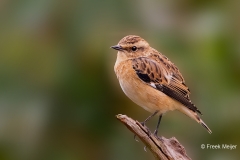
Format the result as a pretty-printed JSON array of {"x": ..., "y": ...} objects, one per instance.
[{"x": 161, "y": 147}]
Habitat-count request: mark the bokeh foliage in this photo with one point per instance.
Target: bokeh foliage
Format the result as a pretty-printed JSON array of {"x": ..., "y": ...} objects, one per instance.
[{"x": 59, "y": 93}]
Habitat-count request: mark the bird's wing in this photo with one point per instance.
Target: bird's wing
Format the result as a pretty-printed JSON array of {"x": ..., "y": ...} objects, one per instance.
[{"x": 158, "y": 72}]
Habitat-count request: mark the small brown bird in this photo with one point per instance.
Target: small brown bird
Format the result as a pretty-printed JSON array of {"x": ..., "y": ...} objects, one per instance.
[{"x": 151, "y": 80}]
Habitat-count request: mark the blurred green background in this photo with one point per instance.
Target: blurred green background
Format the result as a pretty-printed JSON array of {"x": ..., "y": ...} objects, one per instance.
[{"x": 59, "y": 94}]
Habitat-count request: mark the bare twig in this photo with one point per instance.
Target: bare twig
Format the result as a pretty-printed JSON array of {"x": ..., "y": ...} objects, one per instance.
[{"x": 162, "y": 148}]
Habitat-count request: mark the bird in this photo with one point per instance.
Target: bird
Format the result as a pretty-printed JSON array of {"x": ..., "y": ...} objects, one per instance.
[{"x": 152, "y": 81}]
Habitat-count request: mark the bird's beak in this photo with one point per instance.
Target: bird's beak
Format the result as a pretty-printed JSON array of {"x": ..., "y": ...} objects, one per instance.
[{"x": 117, "y": 47}]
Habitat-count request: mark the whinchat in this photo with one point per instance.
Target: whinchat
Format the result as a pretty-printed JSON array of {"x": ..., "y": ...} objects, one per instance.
[{"x": 151, "y": 80}]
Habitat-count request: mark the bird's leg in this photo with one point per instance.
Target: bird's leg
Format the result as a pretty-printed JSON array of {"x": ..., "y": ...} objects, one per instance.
[
  {"x": 148, "y": 118},
  {"x": 144, "y": 122},
  {"x": 158, "y": 124}
]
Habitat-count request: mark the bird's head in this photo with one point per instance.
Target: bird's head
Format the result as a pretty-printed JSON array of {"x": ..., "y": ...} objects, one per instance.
[{"x": 132, "y": 46}]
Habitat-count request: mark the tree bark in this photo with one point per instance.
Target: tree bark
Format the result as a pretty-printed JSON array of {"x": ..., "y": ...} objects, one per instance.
[{"x": 161, "y": 147}]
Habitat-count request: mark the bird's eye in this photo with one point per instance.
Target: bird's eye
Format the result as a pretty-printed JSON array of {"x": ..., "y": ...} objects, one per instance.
[{"x": 134, "y": 48}]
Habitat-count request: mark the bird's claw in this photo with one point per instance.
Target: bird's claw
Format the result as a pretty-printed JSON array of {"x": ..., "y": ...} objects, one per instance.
[
  {"x": 135, "y": 137},
  {"x": 145, "y": 148}
]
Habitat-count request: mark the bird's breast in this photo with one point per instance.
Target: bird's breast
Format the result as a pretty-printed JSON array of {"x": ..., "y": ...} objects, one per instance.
[{"x": 141, "y": 93}]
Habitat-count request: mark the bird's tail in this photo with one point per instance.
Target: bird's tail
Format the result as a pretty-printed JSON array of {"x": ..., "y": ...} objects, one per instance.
[
  {"x": 195, "y": 116},
  {"x": 204, "y": 125}
]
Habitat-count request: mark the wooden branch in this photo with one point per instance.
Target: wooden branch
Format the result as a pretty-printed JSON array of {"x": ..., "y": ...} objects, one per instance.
[{"x": 162, "y": 148}]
